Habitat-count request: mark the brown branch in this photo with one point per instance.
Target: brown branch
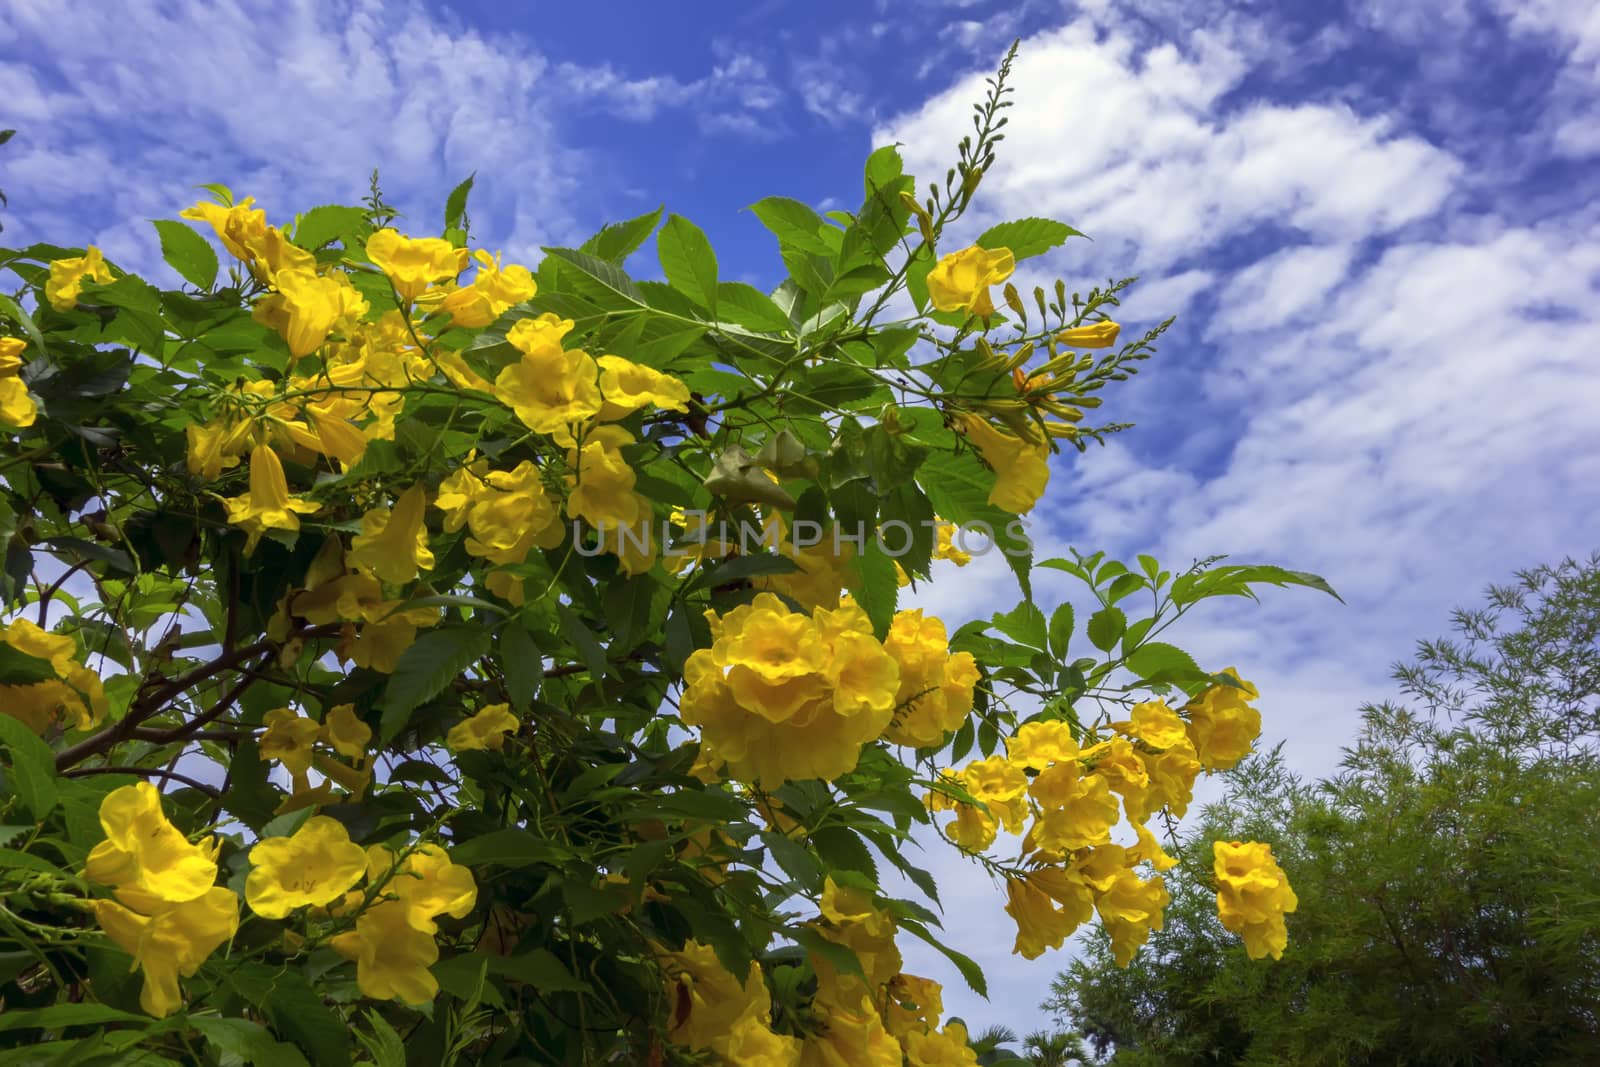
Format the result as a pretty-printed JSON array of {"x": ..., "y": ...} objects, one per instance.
[
  {"x": 146, "y": 706},
  {"x": 146, "y": 772}
]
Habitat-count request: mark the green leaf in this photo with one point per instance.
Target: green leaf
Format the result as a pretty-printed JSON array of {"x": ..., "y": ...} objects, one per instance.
[
  {"x": 15, "y": 311},
  {"x": 1024, "y": 624},
  {"x": 739, "y": 568},
  {"x": 1105, "y": 628},
  {"x": 618, "y": 240},
  {"x": 1027, "y": 237},
  {"x": 880, "y": 586},
  {"x": 688, "y": 261},
  {"x": 1159, "y": 662},
  {"x": 425, "y": 668},
  {"x": 795, "y": 859},
  {"x": 603, "y": 273},
  {"x": 508, "y": 848},
  {"x": 1060, "y": 630},
  {"x": 326, "y": 223},
  {"x": 634, "y": 607},
  {"x": 541, "y": 969},
  {"x": 19, "y": 668},
  {"x": 249, "y": 1042},
  {"x": 843, "y": 849},
  {"x": 958, "y": 486},
  {"x": 296, "y": 1011},
  {"x": 58, "y": 1016},
  {"x": 590, "y": 650},
  {"x": 969, "y": 969},
  {"x": 522, "y": 664},
  {"x": 187, "y": 253},
  {"x": 455, "y": 205},
  {"x": 749, "y": 307},
  {"x": 794, "y": 224},
  {"x": 32, "y": 774},
  {"x": 1124, "y": 585}
]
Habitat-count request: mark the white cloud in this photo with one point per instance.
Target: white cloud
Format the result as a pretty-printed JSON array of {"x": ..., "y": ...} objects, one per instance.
[
  {"x": 140, "y": 108},
  {"x": 1391, "y": 393},
  {"x": 738, "y": 95}
]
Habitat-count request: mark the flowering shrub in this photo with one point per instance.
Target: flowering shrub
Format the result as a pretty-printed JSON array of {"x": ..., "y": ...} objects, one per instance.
[{"x": 382, "y": 678}]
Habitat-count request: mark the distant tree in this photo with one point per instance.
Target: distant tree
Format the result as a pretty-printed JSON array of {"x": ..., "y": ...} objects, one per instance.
[{"x": 1448, "y": 876}]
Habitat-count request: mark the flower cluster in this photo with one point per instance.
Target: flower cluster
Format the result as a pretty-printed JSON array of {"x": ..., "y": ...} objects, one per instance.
[
  {"x": 782, "y": 695},
  {"x": 1071, "y": 791},
  {"x": 169, "y": 914},
  {"x": 1252, "y": 896},
  {"x": 292, "y": 740},
  {"x": 74, "y": 697},
  {"x": 882, "y": 1017}
]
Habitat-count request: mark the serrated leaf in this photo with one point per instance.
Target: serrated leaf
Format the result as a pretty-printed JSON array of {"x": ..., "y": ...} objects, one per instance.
[
  {"x": 842, "y": 849},
  {"x": 1027, "y": 237},
  {"x": 1024, "y": 624},
  {"x": 1157, "y": 661},
  {"x": 326, "y": 223},
  {"x": 32, "y": 774},
  {"x": 958, "y": 486},
  {"x": 522, "y": 664},
  {"x": 794, "y": 224},
  {"x": 1060, "y": 630},
  {"x": 425, "y": 668},
  {"x": 297, "y": 1012},
  {"x": 455, "y": 205},
  {"x": 749, "y": 307},
  {"x": 618, "y": 240},
  {"x": 795, "y": 860},
  {"x": 688, "y": 261},
  {"x": 880, "y": 586},
  {"x": 968, "y": 968},
  {"x": 607, "y": 275},
  {"x": 187, "y": 253},
  {"x": 1105, "y": 628}
]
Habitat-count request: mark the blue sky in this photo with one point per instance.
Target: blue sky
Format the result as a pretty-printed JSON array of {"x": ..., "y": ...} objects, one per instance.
[{"x": 1379, "y": 224}]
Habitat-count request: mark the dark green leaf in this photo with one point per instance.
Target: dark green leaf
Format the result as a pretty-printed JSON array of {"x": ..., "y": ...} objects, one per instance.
[
  {"x": 32, "y": 773},
  {"x": 795, "y": 859},
  {"x": 508, "y": 848},
  {"x": 590, "y": 650},
  {"x": 297, "y": 1012},
  {"x": 437, "y": 657},
  {"x": 843, "y": 849},
  {"x": 880, "y": 586},
  {"x": 1060, "y": 630},
  {"x": 522, "y": 664},
  {"x": 187, "y": 253},
  {"x": 19, "y": 668},
  {"x": 969, "y": 970}
]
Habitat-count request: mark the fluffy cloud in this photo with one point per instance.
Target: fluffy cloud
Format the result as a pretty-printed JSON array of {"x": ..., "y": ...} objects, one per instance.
[
  {"x": 122, "y": 116},
  {"x": 1385, "y": 380}
]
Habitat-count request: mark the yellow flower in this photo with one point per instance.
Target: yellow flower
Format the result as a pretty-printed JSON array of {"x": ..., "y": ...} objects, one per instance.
[
  {"x": 67, "y": 277},
  {"x": 1155, "y": 724},
  {"x": 1077, "y": 810},
  {"x": 268, "y": 505},
  {"x": 75, "y": 697},
  {"x": 271, "y": 253},
  {"x": 426, "y": 882},
  {"x": 168, "y": 940},
  {"x": 853, "y": 1035},
  {"x": 1036, "y": 745},
  {"x": 487, "y": 729},
  {"x": 493, "y": 290},
  {"x": 781, "y": 696},
  {"x": 17, "y": 407},
  {"x": 393, "y": 544},
  {"x": 1171, "y": 775},
  {"x": 1222, "y": 725},
  {"x": 289, "y": 739},
  {"x": 314, "y": 867},
  {"x": 216, "y": 446},
  {"x": 1003, "y": 789},
  {"x": 936, "y": 685},
  {"x": 946, "y": 1048},
  {"x": 146, "y": 853},
  {"x": 1252, "y": 896},
  {"x": 348, "y": 735},
  {"x": 1117, "y": 762},
  {"x": 237, "y": 226},
  {"x": 914, "y": 1003},
  {"x": 508, "y": 513},
  {"x": 1023, "y": 467},
  {"x": 307, "y": 306},
  {"x": 706, "y": 999},
  {"x": 392, "y": 957},
  {"x": 825, "y": 566},
  {"x": 602, "y": 487},
  {"x": 750, "y": 1042},
  {"x": 947, "y": 547},
  {"x": 1095, "y": 335},
  {"x": 413, "y": 264},
  {"x": 961, "y": 280},
  {"x": 629, "y": 386},
  {"x": 1129, "y": 909},
  {"x": 550, "y": 388},
  {"x": 1149, "y": 850},
  {"x": 1041, "y": 924}
]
